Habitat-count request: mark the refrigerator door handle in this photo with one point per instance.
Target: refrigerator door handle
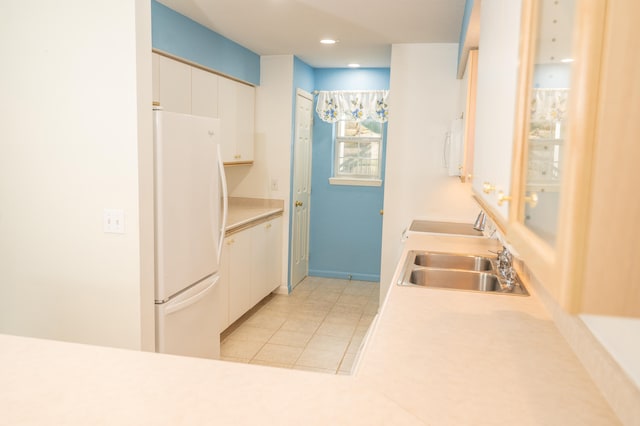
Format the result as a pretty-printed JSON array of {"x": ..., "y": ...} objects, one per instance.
[
  {"x": 193, "y": 299},
  {"x": 225, "y": 203}
]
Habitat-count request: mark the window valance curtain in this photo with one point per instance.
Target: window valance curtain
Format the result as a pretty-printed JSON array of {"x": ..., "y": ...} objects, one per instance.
[
  {"x": 353, "y": 105},
  {"x": 549, "y": 104}
]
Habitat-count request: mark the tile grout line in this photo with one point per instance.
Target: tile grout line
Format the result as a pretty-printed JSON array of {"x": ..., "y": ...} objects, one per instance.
[
  {"x": 311, "y": 338},
  {"x": 312, "y": 334},
  {"x": 326, "y": 312}
]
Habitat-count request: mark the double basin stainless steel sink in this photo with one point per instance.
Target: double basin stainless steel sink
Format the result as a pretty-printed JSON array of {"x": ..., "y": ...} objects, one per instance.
[{"x": 456, "y": 272}]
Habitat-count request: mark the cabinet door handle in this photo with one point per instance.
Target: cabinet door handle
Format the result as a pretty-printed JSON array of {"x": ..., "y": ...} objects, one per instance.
[
  {"x": 503, "y": 198},
  {"x": 532, "y": 199},
  {"x": 488, "y": 187},
  {"x": 298, "y": 203}
]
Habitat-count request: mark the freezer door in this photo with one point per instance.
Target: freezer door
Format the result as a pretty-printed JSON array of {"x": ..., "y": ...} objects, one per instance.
[
  {"x": 188, "y": 324},
  {"x": 187, "y": 200}
]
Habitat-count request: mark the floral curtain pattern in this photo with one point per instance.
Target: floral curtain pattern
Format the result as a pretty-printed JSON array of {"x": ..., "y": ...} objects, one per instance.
[
  {"x": 353, "y": 105},
  {"x": 549, "y": 104}
]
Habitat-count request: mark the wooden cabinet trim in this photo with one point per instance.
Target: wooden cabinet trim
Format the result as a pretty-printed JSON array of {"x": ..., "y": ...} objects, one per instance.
[
  {"x": 563, "y": 268},
  {"x": 201, "y": 67}
]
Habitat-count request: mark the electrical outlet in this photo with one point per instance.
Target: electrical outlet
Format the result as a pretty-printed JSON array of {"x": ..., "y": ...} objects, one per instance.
[
  {"x": 274, "y": 184},
  {"x": 113, "y": 221}
]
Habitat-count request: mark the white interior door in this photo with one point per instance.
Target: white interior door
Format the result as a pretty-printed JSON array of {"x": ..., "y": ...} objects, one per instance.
[{"x": 301, "y": 187}]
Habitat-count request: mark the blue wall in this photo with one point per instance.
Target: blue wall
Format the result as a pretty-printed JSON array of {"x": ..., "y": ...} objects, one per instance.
[
  {"x": 178, "y": 35},
  {"x": 303, "y": 76},
  {"x": 346, "y": 226}
]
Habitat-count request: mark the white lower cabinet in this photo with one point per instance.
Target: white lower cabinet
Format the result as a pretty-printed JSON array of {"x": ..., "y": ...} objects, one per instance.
[
  {"x": 235, "y": 253},
  {"x": 250, "y": 268},
  {"x": 265, "y": 259},
  {"x": 274, "y": 255},
  {"x": 223, "y": 285}
]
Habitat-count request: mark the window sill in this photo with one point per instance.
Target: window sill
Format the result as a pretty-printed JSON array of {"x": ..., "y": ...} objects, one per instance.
[{"x": 354, "y": 182}]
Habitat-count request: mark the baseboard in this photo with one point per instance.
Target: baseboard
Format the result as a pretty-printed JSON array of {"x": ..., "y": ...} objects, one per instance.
[
  {"x": 283, "y": 289},
  {"x": 344, "y": 275}
]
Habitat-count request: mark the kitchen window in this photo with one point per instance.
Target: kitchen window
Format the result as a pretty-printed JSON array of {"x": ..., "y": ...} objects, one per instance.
[{"x": 357, "y": 153}]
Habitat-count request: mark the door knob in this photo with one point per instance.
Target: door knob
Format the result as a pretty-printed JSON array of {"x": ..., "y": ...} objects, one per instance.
[{"x": 298, "y": 203}]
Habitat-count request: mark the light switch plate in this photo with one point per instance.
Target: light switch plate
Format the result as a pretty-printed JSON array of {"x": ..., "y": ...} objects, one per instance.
[{"x": 113, "y": 221}]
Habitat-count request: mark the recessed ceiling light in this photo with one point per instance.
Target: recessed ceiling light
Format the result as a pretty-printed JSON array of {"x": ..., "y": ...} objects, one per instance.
[
  {"x": 354, "y": 65},
  {"x": 328, "y": 41},
  {"x": 566, "y": 60}
]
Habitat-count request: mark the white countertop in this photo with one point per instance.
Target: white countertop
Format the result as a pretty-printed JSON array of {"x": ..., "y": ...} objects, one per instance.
[
  {"x": 476, "y": 358},
  {"x": 435, "y": 357},
  {"x": 243, "y": 212}
]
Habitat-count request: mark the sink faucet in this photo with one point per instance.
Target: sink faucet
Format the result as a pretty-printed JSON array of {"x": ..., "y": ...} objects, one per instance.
[
  {"x": 480, "y": 222},
  {"x": 505, "y": 267}
]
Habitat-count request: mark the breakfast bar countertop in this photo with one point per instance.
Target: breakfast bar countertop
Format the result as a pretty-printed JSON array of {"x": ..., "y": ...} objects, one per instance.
[{"x": 433, "y": 356}]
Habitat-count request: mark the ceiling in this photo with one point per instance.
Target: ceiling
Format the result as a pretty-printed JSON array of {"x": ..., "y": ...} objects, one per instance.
[
  {"x": 554, "y": 41},
  {"x": 365, "y": 29}
]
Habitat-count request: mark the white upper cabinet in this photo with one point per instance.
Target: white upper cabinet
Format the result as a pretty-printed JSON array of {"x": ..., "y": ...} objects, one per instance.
[
  {"x": 174, "y": 82},
  {"x": 468, "y": 108},
  {"x": 236, "y": 109},
  {"x": 574, "y": 210},
  {"x": 495, "y": 102},
  {"x": 204, "y": 93},
  {"x": 155, "y": 78},
  {"x": 179, "y": 87}
]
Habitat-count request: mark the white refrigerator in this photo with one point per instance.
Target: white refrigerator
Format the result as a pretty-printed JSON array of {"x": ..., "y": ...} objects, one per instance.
[{"x": 189, "y": 229}]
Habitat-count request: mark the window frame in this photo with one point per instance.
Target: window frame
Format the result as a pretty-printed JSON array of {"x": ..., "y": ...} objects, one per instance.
[{"x": 338, "y": 178}]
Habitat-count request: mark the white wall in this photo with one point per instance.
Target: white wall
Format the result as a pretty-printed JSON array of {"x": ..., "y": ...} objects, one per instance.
[
  {"x": 272, "y": 156},
  {"x": 552, "y": 76},
  {"x": 145, "y": 176},
  {"x": 69, "y": 139},
  {"x": 424, "y": 100},
  {"x": 496, "y": 96}
]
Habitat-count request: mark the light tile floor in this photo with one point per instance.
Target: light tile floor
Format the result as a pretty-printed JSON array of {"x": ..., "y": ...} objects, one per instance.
[{"x": 319, "y": 327}]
